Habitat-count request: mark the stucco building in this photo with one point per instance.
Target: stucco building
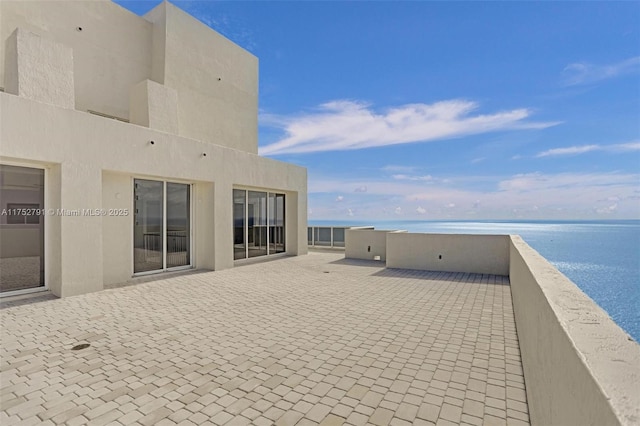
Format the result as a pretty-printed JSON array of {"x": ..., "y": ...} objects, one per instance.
[{"x": 128, "y": 146}]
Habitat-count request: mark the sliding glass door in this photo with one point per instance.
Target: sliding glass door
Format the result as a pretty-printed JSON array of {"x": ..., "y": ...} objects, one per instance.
[
  {"x": 162, "y": 226},
  {"x": 21, "y": 228},
  {"x": 258, "y": 223},
  {"x": 276, "y": 223},
  {"x": 178, "y": 225},
  {"x": 257, "y": 227},
  {"x": 239, "y": 223},
  {"x": 148, "y": 228}
]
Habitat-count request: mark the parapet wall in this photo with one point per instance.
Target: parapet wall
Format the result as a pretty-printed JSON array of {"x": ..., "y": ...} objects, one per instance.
[
  {"x": 368, "y": 244},
  {"x": 580, "y": 367},
  {"x": 483, "y": 254}
]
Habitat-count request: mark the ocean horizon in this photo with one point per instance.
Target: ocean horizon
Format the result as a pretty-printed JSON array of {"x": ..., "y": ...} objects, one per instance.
[{"x": 602, "y": 257}]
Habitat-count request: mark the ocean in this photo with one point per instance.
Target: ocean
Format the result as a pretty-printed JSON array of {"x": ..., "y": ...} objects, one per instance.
[{"x": 601, "y": 257}]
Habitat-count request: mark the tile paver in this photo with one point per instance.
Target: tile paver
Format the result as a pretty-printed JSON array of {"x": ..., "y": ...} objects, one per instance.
[{"x": 304, "y": 340}]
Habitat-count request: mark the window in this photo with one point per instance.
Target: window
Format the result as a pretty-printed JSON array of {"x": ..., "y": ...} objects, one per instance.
[
  {"x": 19, "y": 214},
  {"x": 276, "y": 223},
  {"x": 239, "y": 224},
  {"x": 258, "y": 223},
  {"x": 162, "y": 225},
  {"x": 21, "y": 228}
]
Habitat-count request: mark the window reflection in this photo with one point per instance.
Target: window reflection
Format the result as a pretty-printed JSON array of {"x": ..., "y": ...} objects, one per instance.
[
  {"x": 148, "y": 225},
  {"x": 258, "y": 223},
  {"x": 161, "y": 243},
  {"x": 21, "y": 228},
  {"x": 178, "y": 218},
  {"x": 239, "y": 203}
]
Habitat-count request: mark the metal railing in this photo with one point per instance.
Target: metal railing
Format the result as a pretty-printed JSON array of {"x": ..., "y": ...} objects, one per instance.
[
  {"x": 177, "y": 247},
  {"x": 328, "y": 236}
]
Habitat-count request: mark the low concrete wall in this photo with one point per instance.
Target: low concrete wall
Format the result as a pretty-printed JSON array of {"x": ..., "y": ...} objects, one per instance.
[
  {"x": 362, "y": 243},
  {"x": 580, "y": 368},
  {"x": 483, "y": 254}
]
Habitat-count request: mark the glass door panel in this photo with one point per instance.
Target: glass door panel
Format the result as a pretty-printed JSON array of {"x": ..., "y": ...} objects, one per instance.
[
  {"x": 239, "y": 203},
  {"x": 148, "y": 225},
  {"x": 21, "y": 228},
  {"x": 257, "y": 226},
  {"x": 178, "y": 225},
  {"x": 276, "y": 223}
]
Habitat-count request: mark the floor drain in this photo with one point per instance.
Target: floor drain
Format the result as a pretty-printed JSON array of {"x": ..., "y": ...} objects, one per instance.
[{"x": 80, "y": 346}]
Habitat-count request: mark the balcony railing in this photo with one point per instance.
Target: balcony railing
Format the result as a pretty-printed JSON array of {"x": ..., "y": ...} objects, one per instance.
[{"x": 329, "y": 236}]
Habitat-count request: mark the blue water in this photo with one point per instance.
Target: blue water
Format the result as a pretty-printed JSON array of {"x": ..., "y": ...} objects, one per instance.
[{"x": 602, "y": 258}]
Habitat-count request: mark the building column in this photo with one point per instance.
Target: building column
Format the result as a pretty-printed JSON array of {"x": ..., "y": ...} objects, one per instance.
[
  {"x": 204, "y": 230},
  {"x": 79, "y": 216},
  {"x": 296, "y": 224},
  {"x": 223, "y": 222}
]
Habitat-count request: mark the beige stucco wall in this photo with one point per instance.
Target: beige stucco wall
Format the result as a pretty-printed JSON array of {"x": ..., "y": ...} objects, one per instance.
[
  {"x": 39, "y": 68},
  {"x": 366, "y": 244},
  {"x": 580, "y": 368},
  {"x": 117, "y": 252},
  {"x": 90, "y": 160},
  {"x": 211, "y": 83},
  {"x": 111, "y": 54},
  {"x": 483, "y": 254},
  {"x": 52, "y": 224},
  {"x": 155, "y": 106},
  {"x": 216, "y": 80},
  {"x": 185, "y": 87}
]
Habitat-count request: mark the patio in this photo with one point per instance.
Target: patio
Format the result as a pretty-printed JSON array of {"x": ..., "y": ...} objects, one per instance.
[{"x": 302, "y": 340}]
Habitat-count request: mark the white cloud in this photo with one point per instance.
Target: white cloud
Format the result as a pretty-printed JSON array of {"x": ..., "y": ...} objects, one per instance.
[
  {"x": 478, "y": 160},
  {"x": 607, "y": 210},
  {"x": 534, "y": 195},
  {"x": 576, "y": 150},
  {"x": 362, "y": 188},
  {"x": 532, "y": 182},
  {"x": 572, "y": 150},
  {"x": 348, "y": 125},
  {"x": 585, "y": 73},
  {"x": 631, "y": 146},
  {"x": 350, "y": 212},
  {"x": 426, "y": 178},
  {"x": 339, "y": 198}
]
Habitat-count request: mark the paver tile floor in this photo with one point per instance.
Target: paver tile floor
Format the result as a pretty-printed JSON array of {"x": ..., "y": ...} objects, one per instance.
[{"x": 295, "y": 341}]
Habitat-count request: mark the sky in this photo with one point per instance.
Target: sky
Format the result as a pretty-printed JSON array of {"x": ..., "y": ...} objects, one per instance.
[{"x": 447, "y": 110}]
